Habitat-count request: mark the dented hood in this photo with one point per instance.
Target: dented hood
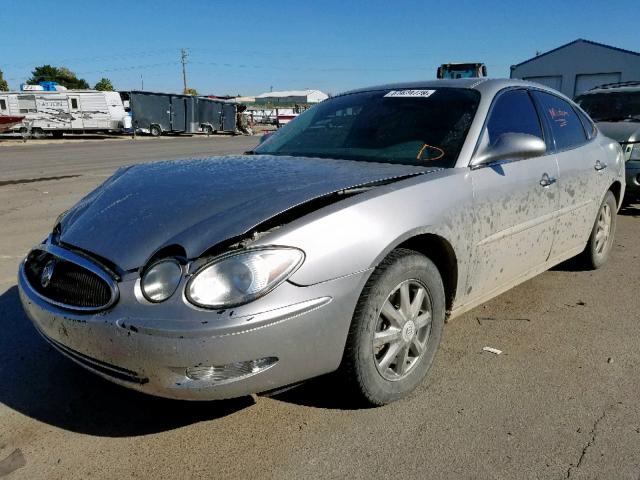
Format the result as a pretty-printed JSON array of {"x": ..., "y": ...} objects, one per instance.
[{"x": 199, "y": 203}]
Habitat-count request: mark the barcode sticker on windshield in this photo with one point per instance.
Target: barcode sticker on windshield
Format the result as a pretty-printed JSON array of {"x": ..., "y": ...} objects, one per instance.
[{"x": 410, "y": 93}]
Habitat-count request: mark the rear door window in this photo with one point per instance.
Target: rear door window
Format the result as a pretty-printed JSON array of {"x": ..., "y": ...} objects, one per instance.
[
  {"x": 566, "y": 126},
  {"x": 513, "y": 112}
]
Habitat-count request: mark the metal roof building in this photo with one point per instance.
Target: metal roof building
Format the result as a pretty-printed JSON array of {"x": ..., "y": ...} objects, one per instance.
[
  {"x": 579, "y": 66},
  {"x": 291, "y": 97}
]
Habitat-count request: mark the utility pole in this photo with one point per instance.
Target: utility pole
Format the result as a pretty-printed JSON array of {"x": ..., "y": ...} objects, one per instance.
[{"x": 183, "y": 59}]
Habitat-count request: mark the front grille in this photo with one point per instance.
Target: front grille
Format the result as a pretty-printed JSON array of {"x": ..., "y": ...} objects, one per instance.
[{"x": 66, "y": 283}]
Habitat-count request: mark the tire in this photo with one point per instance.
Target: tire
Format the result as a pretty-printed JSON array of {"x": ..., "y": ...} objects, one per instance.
[
  {"x": 38, "y": 133},
  {"x": 598, "y": 249},
  {"x": 57, "y": 134},
  {"x": 383, "y": 373},
  {"x": 155, "y": 130},
  {"x": 208, "y": 129}
]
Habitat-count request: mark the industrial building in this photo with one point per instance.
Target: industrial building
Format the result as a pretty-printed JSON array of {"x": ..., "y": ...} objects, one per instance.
[
  {"x": 579, "y": 66},
  {"x": 291, "y": 97}
]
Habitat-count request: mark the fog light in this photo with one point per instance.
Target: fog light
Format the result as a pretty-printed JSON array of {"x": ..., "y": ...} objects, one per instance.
[{"x": 232, "y": 371}]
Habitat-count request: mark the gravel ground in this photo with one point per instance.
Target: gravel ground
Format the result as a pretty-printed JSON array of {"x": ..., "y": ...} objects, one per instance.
[{"x": 560, "y": 402}]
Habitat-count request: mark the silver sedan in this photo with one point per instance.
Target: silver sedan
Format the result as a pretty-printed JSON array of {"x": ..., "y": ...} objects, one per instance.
[{"x": 341, "y": 243}]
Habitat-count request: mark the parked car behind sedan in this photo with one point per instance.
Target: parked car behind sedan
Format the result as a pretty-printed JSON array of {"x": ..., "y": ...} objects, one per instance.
[
  {"x": 342, "y": 242},
  {"x": 616, "y": 110}
]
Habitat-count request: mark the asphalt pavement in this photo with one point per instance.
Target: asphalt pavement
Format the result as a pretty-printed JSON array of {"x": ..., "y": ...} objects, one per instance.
[{"x": 561, "y": 401}]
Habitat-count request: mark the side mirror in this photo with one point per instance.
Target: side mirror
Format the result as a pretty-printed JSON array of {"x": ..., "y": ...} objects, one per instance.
[{"x": 511, "y": 146}]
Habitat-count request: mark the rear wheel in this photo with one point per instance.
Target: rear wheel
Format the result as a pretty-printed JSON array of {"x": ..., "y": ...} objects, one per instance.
[
  {"x": 600, "y": 243},
  {"x": 38, "y": 133},
  {"x": 396, "y": 328}
]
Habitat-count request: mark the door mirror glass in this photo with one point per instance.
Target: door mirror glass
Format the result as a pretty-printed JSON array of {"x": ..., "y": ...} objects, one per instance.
[{"x": 512, "y": 146}]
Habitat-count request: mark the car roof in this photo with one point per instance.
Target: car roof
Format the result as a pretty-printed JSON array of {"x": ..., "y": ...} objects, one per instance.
[
  {"x": 486, "y": 86},
  {"x": 612, "y": 88}
]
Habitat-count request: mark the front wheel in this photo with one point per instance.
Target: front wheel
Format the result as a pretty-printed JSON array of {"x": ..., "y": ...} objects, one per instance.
[
  {"x": 396, "y": 328},
  {"x": 155, "y": 130},
  {"x": 598, "y": 248}
]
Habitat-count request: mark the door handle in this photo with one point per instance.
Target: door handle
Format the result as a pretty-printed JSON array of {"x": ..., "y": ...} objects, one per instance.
[
  {"x": 599, "y": 166},
  {"x": 546, "y": 180}
]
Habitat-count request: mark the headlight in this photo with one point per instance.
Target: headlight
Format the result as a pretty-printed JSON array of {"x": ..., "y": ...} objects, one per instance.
[
  {"x": 635, "y": 152},
  {"x": 161, "y": 280},
  {"x": 242, "y": 277}
]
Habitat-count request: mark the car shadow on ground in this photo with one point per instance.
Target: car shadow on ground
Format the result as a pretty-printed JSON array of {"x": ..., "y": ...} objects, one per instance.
[
  {"x": 630, "y": 210},
  {"x": 40, "y": 383},
  {"x": 325, "y": 392},
  {"x": 574, "y": 264}
]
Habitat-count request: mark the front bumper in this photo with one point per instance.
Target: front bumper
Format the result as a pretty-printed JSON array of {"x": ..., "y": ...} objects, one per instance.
[
  {"x": 150, "y": 347},
  {"x": 632, "y": 168}
]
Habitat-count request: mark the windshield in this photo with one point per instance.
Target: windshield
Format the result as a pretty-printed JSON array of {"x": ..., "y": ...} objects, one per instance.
[
  {"x": 415, "y": 127},
  {"x": 612, "y": 107},
  {"x": 459, "y": 72}
]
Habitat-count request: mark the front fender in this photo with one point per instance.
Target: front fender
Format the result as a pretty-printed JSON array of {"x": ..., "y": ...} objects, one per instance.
[{"x": 354, "y": 235}]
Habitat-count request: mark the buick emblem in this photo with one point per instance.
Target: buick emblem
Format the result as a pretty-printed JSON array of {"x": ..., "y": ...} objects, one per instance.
[{"x": 47, "y": 273}]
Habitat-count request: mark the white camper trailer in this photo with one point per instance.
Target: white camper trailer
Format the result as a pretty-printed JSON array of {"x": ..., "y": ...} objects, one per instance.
[{"x": 65, "y": 111}]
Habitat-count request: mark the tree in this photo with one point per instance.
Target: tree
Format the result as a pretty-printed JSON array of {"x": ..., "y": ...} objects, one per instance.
[
  {"x": 191, "y": 91},
  {"x": 4, "y": 86},
  {"x": 61, "y": 75},
  {"x": 104, "y": 85}
]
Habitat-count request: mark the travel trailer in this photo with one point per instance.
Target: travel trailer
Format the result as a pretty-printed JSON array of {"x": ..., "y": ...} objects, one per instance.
[{"x": 63, "y": 111}]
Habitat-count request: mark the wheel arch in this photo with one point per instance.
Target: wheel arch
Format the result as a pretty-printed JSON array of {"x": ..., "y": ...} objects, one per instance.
[
  {"x": 440, "y": 251},
  {"x": 616, "y": 189}
]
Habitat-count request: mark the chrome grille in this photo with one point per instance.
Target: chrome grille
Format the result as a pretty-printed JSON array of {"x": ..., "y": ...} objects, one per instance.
[{"x": 68, "y": 280}]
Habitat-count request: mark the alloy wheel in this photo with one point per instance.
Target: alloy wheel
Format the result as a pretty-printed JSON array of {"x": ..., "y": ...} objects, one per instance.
[
  {"x": 603, "y": 229},
  {"x": 402, "y": 330}
]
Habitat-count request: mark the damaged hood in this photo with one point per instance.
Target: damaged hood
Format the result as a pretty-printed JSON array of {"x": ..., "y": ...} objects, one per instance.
[{"x": 201, "y": 202}]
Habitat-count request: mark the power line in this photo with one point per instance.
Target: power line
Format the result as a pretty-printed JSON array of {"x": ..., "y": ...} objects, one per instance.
[{"x": 52, "y": 59}]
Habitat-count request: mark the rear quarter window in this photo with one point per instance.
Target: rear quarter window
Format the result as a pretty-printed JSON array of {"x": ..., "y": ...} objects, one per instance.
[
  {"x": 589, "y": 126},
  {"x": 566, "y": 126}
]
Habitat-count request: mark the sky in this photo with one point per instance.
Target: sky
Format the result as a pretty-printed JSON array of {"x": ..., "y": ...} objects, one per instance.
[{"x": 249, "y": 47}]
